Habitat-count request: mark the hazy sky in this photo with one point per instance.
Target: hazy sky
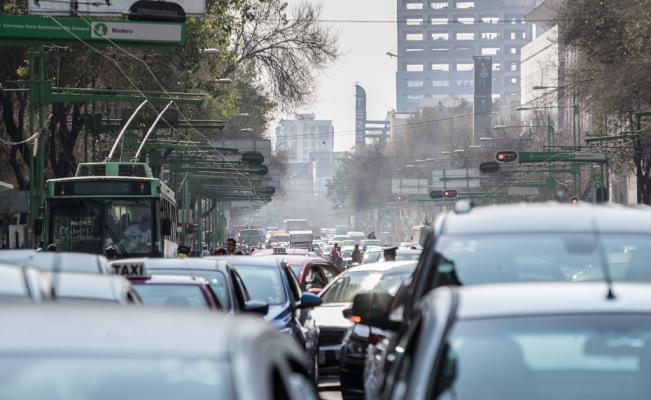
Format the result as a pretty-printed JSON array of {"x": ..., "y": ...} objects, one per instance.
[{"x": 364, "y": 60}]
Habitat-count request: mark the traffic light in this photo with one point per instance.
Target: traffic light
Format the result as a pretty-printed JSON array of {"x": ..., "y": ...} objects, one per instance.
[
  {"x": 397, "y": 198},
  {"x": 450, "y": 194},
  {"x": 401, "y": 197},
  {"x": 436, "y": 194},
  {"x": 506, "y": 156},
  {"x": 574, "y": 200},
  {"x": 489, "y": 167}
]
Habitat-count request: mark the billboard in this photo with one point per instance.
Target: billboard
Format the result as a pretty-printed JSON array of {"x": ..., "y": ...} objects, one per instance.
[
  {"x": 483, "y": 99},
  {"x": 360, "y": 117},
  {"x": 105, "y": 8},
  {"x": 455, "y": 179}
]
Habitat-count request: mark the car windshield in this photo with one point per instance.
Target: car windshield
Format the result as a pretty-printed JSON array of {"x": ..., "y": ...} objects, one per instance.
[
  {"x": 552, "y": 357},
  {"x": 186, "y": 296},
  {"x": 391, "y": 281},
  {"x": 216, "y": 279},
  {"x": 344, "y": 289},
  {"x": 471, "y": 260},
  {"x": 263, "y": 283},
  {"x": 407, "y": 256},
  {"x": 88, "y": 378}
]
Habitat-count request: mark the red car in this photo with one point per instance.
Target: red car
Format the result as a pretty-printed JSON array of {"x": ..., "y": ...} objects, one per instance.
[
  {"x": 176, "y": 291},
  {"x": 313, "y": 273}
]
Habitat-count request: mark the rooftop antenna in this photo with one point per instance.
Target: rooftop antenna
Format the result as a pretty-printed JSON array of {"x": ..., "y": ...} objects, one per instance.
[
  {"x": 603, "y": 260},
  {"x": 124, "y": 129},
  {"x": 151, "y": 129}
]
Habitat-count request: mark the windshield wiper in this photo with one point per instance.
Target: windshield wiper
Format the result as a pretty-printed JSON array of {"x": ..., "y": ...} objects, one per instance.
[{"x": 117, "y": 242}]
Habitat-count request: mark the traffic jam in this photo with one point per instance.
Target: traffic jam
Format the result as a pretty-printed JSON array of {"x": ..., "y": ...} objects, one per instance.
[{"x": 519, "y": 301}]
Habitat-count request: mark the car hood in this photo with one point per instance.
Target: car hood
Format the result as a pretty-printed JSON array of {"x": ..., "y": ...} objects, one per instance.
[{"x": 330, "y": 315}]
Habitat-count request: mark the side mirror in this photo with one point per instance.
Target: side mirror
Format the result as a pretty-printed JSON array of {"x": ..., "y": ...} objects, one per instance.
[
  {"x": 309, "y": 300},
  {"x": 256, "y": 307},
  {"x": 373, "y": 309},
  {"x": 315, "y": 290},
  {"x": 347, "y": 312},
  {"x": 166, "y": 227}
]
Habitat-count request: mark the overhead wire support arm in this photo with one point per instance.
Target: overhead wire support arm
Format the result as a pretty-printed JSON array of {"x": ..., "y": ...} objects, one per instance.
[
  {"x": 151, "y": 129},
  {"x": 124, "y": 129}
]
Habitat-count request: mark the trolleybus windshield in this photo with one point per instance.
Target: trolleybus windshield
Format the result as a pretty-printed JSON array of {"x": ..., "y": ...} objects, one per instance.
[{"x": 91, "y": 225}]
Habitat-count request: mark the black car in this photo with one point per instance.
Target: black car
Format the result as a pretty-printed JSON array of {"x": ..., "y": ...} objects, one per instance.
[
  {"x": 546, "y": 242},
  {"x": 359, "y": 336},
  {"x": 224, "y": 280},
  {"x": 272, "y": 281}
]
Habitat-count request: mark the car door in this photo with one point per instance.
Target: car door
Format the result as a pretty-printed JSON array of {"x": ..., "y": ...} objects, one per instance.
[{"x": 240, "y": 293}]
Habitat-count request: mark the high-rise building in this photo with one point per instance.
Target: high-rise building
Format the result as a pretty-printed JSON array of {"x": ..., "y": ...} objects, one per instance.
[
  {"x": 305, "y": 134},
  {"x": 437, "y": 40}
]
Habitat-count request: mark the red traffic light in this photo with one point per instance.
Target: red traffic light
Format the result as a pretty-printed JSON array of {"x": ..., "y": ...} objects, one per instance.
[
  {"x": 506, "y": 156},
  {"x": 450, "y": 194}
]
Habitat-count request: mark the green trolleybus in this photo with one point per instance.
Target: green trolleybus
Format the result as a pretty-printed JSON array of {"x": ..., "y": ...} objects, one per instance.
[{"x": 112, "y": 204}]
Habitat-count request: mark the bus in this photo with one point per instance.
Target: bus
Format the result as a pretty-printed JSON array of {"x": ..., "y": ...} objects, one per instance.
[
  {"x": 296, "y": 225},
  {"x": 111, "y": 204}
]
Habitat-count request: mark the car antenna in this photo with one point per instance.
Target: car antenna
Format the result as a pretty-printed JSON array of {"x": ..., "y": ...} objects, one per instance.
[{"x": 603, "y": 260}]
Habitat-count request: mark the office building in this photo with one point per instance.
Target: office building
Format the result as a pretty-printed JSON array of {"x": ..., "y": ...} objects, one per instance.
[
  {"x": 299, "y": 137},
  {"x": 437, "y": 40}
]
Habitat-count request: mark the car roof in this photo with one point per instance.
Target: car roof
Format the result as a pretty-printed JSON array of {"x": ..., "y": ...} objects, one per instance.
[
  {"x": 295, "y": 259},
  {"x": 113, "y": 331},
  {"x": 47, "y": 261},
  {"x": 238, "y": 261},
  {"x": 172, "y": 280},
  {"x": 521, "y": 299},
  {"x": 13, "y": 281},
  {"x": 547, "y": 217},
  {"x": 381, "y": 266},
  {"x": 203, "y": 263},
  {"x": 89, "y": 286},
  {"x": 402, "y": 250}
]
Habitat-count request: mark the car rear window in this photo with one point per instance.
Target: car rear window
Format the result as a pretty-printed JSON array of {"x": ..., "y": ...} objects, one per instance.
[
  {"x": 186, "y": 296},
  {"x": 216, "y": 279},
  {"x": 263, "y": 283},
  {"x": 92, "y": 378}
]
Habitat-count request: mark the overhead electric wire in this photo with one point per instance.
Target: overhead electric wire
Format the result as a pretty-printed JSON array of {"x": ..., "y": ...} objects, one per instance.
[{"x": 116, "y": 63}]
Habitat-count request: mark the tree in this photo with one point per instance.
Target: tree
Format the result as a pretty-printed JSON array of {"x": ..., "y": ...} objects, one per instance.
[{"x": 610, "y": 42}]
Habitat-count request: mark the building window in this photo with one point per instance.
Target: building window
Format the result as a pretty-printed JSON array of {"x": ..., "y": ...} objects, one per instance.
[
  {"x": 514, "y": 81},
  {"x": 465, "y": 4},
  {"x": 415, "y": 97},
  {"x": 490, "y": 51},
  {"x": 465, "y": 36},
  {"x": 490, "y": 35},
  {"x": 496, "y": 67},
  {"x": 513, "y": 36},
  {"x": 463, "y": 67},
  {"x": 490, "y": 20},
  {"x": 439, "y": 49},
  {"x": 413, "y": 49},
  {"x": 513, "y": 50},
  {"x": 441, "y": 67},
  {"x": 466, "y": 21},
  {"x": 414, "y": 6},
  {"x": 413, "y": 37},
  {"x": 414, "y": 67},
  {"x": 414, "y": 84},
  {"x": 414, "y": 21},
  {"x": 524, "y": 35},
  {"x": 439, "y": 21},
  {"x": 465, "y": 82},
  {"x": 442, "y": 83},
  {"x": 514, "y": 67},
  {"x": 439, "y": 5},
  {"x": 440, "y": 36}
]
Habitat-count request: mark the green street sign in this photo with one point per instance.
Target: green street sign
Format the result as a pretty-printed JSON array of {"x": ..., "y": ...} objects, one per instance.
[
  {"x": 58, "y": 29},
  {"x": 551, "y": 156}
]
